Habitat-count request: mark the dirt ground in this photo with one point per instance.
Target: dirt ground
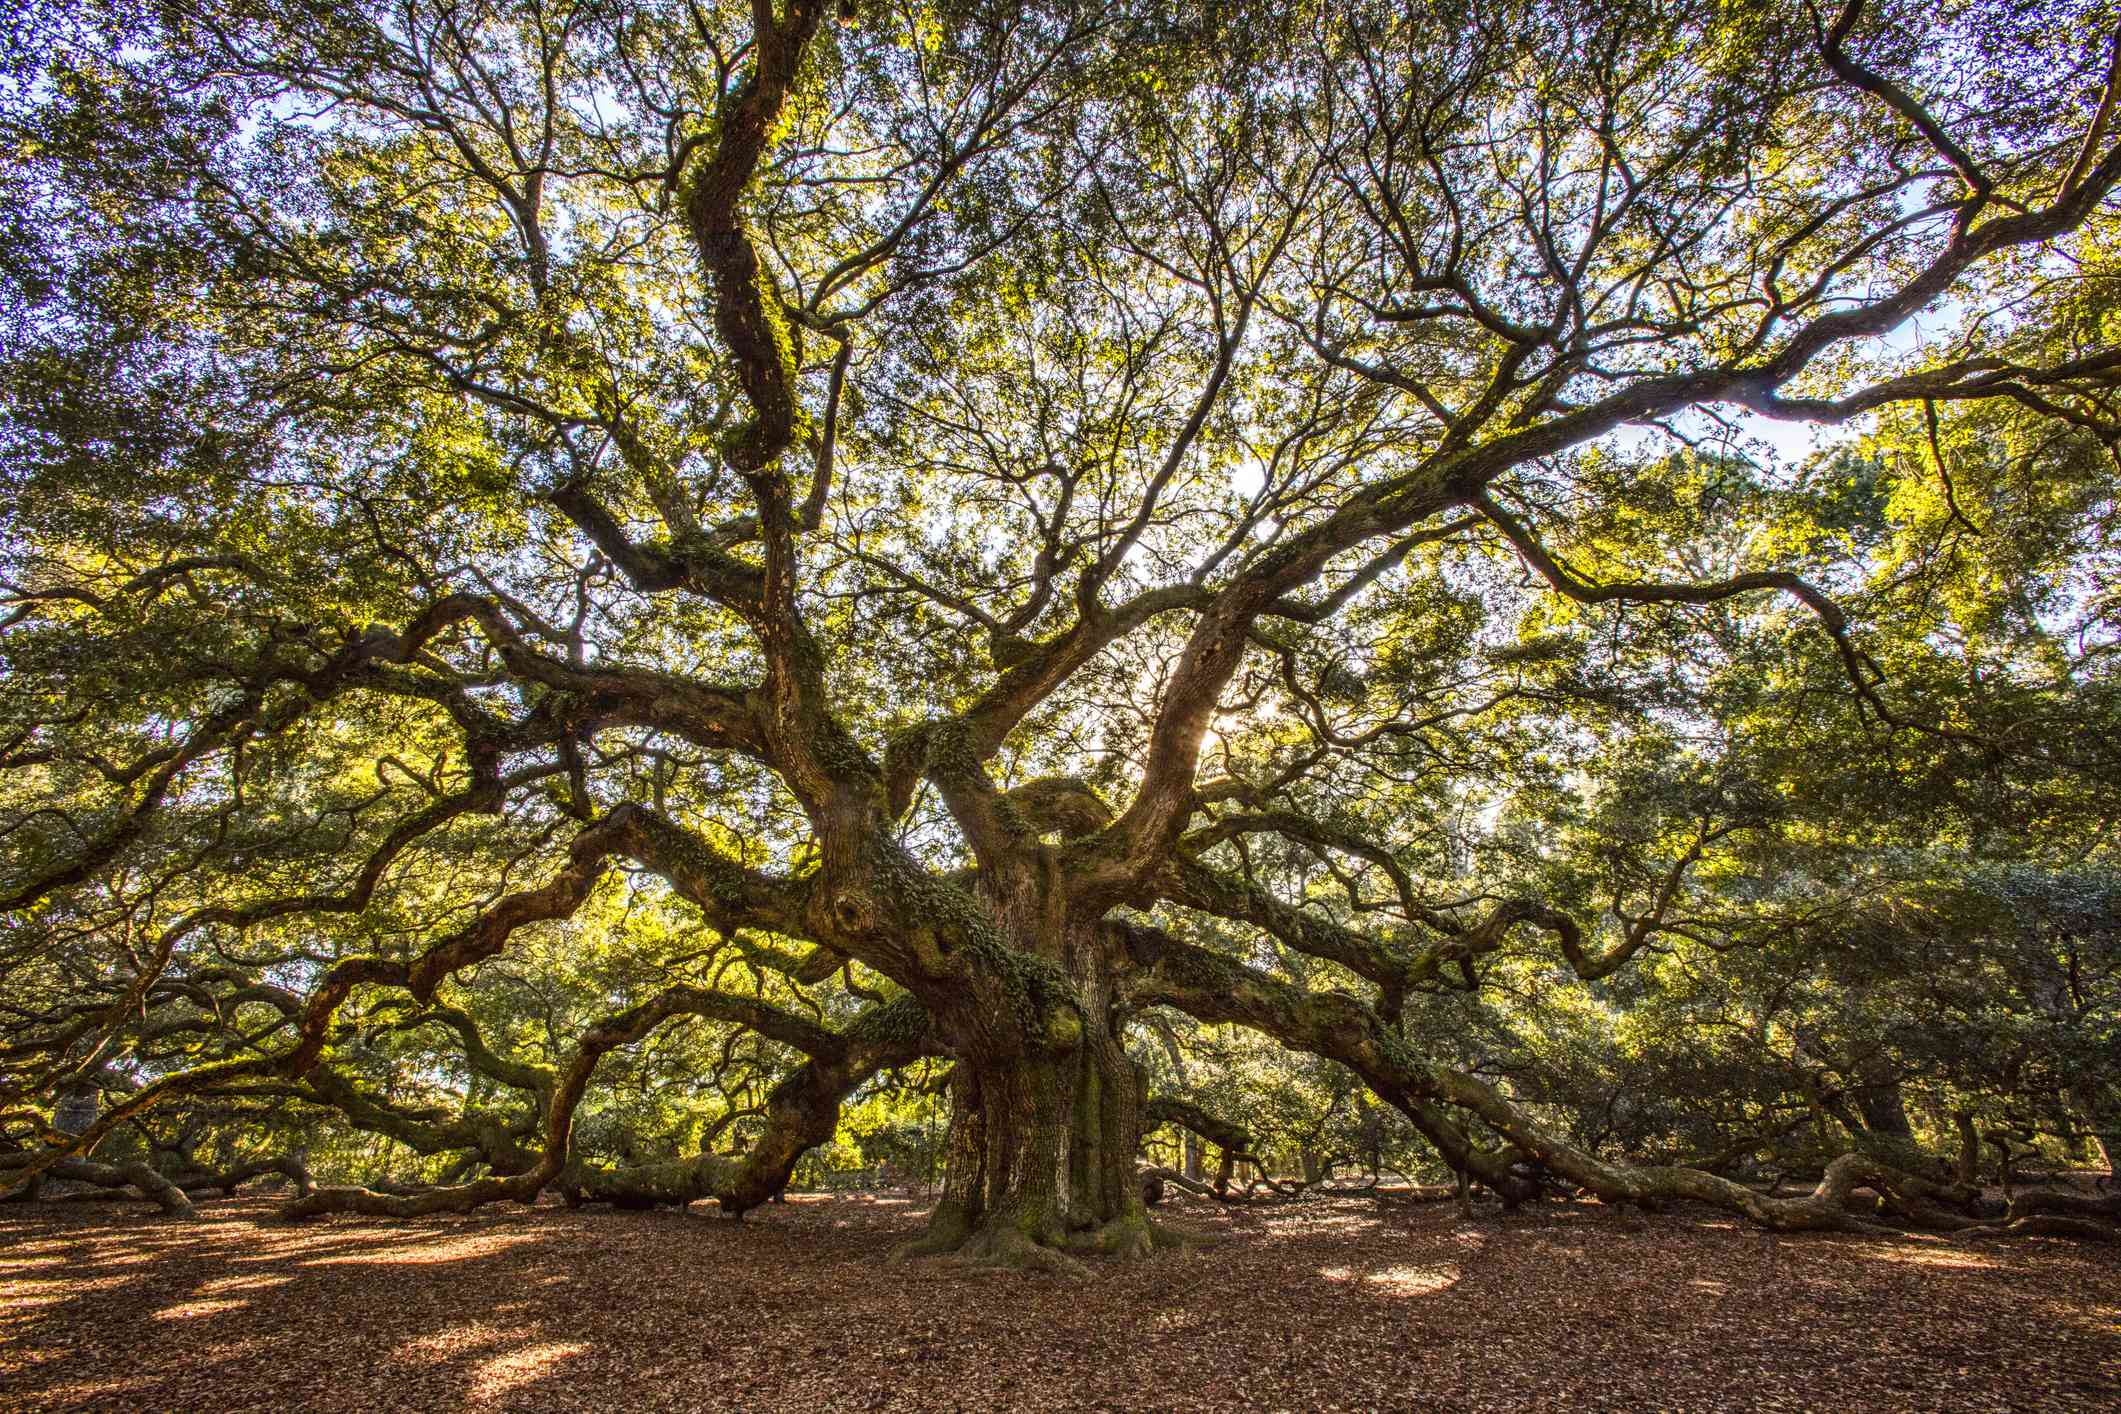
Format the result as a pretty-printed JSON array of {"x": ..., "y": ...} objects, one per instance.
[{"x": 1333, "y": 1304}]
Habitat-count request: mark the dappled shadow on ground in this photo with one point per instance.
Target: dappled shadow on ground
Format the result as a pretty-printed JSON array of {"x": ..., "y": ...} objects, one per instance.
[{"x": 1340, "y": 1303}]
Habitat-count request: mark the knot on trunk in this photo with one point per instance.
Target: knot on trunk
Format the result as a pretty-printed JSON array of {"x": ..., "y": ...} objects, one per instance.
[{"x": 854, "y": 911}]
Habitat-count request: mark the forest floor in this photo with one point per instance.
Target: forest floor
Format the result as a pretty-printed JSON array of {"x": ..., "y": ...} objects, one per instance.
[{"x": 1329, "y": 1304}]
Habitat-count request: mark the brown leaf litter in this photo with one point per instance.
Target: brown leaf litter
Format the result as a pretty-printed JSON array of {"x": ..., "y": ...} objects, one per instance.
[{"x": 1332, "y": 1304}]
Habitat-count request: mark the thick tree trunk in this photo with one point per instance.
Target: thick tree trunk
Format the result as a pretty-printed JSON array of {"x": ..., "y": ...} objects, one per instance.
[
  {"x": 1043, "y": 1139},
  {"x": 1041, "y": 1157},
  {"x": 1023, "y": 1129}
]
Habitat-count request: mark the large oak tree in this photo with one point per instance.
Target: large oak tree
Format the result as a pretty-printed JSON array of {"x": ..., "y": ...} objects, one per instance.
[{"x": 1013, "y": 521}]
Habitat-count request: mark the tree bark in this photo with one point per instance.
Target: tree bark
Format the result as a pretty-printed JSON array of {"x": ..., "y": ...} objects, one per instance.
[
  {"x": 174, "y": 1201},
  {"x": 1968, "y": 1168},
  {"x": 1041, "y": 1158},
  {"x": 1043, "y": 1135}
]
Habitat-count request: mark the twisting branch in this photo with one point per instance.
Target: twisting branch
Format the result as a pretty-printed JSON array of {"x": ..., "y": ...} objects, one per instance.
[
  {"x": 1863, "y": 674},
  {"x": 1833, "y": 46}
]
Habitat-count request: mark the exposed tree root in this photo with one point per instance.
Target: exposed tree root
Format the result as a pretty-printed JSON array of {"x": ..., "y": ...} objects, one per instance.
[
  {"x": 1128, "y": 1237},
  {"x": 949, "y": 1226},
  {"x": 1008, "y": 1248},
  {"x": 665, "y": 1183},
  {"x": 1170, "y": 1239},
  {"x": 1021, "y": 1245},
  {"x": 2039, "y": 1212},
  {"x": 172, "y": 1194},
  {"x": 1409, "y": 1193},
  {"x": 2031, "y": 1202},
  {"x": 1216, "y": 989},
  {"x": 1204, "y": 1189},
  {"x": 1276, "y": 1191},
  {"x": 1023, "y": 1241}
]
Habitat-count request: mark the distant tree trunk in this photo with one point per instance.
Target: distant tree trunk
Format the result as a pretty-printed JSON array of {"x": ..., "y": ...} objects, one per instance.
[
  {"x": 1369, "y": 1125},
  {"x": 1884, "y": 1110},
  {"x": 1969, "y": 1166},
  {"x": 2109, "y": 1147},
  {"x": 2004, "y": 1157},
  {"x": 2099, "y": 1109},
  {"x": 78, "y": 1106}
]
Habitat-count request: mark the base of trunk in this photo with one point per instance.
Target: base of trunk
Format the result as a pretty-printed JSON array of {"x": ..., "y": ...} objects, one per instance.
[
  {"x": 1013, "y": 1241},
  {"x": 1042, "y": 1163},
  {"x": 1024, "y": 1244}
]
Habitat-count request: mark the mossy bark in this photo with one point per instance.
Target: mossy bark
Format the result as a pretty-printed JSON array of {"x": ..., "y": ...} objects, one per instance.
[
  {"x": 1042, "y": 1141},
  {"x": 1041, "y": 1155}
]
